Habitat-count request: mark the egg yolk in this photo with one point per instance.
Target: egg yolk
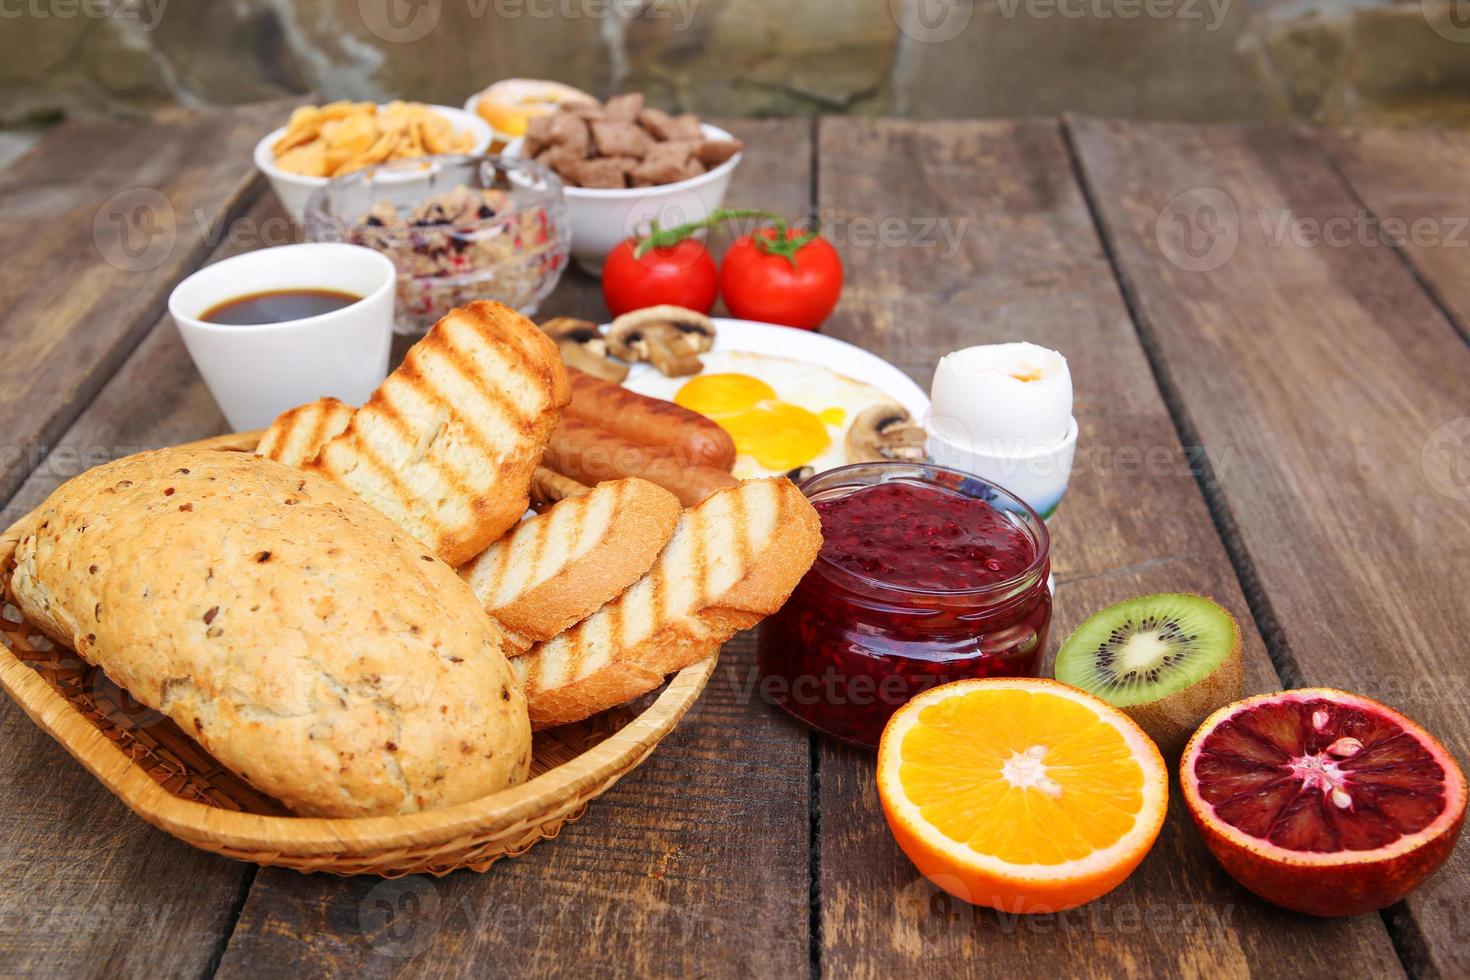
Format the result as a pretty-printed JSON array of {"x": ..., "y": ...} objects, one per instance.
[{"x": 776, "y": 434}]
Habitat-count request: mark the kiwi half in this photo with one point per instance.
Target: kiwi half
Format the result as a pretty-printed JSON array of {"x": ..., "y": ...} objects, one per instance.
[{"x": 1168, "y": 660}]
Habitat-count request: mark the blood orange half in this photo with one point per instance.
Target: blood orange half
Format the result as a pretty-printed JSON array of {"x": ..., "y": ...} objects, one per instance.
[{"x": 1323, "y": 801}]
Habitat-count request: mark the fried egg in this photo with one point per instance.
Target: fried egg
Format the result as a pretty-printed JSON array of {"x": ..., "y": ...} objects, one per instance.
[{"x": 782, "y": 414}]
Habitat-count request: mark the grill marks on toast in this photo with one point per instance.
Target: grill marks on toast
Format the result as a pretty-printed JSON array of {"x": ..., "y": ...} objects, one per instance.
[
  {"x": 541, "y": 546},
  {"x": 563, "y": 535},
  {"x": 447, "y": 444},
  {"x": 732, "y": 560},
  {"x": 299, "y": 433},
  {"x": 559, "y": 567}
]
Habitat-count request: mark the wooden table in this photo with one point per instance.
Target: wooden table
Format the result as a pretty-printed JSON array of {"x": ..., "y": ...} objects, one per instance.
[{"x": 1275, "y": 410}]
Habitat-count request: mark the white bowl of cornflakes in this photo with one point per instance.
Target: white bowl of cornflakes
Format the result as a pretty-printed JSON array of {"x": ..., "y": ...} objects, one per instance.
[{"x": 322, "y": 142}]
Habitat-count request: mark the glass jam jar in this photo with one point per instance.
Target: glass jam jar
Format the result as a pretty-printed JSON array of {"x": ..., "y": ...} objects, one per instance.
[{"x": 926, "y": 575}]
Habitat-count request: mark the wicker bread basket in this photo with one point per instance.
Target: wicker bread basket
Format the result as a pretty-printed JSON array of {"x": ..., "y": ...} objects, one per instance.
[{"x": 169, "y": 780}]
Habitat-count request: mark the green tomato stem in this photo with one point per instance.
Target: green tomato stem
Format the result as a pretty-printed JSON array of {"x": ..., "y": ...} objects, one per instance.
[
  {"x": 779, "y": 244},
  {"x": 669, "y": 237}
]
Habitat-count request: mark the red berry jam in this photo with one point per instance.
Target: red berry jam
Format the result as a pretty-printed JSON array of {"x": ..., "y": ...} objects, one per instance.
[
  {"x": 926, "y": 576},
  {"x": 920, "y": 536}
]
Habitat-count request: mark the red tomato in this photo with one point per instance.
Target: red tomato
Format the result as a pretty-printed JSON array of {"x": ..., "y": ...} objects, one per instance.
[
  {"x": 760, "y": 282},
  {"x": 681, "y": 274}
]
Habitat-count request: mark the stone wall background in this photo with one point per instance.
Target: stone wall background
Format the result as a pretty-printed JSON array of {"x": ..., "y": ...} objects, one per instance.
[{"x": 1326, "y": 61}]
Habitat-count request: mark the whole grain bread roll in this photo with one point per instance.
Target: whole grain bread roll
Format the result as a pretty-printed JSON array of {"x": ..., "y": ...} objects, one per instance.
[{"x": 304, "y": 639}]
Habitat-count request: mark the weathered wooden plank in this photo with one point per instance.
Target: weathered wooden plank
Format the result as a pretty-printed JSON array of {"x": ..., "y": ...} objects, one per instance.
[
  {"x": 695, "y": 864},
  {"x": 1416, "y": 185},
  {"x": 1342, "y": 397},
  {"x": 86, "y": 888},
  {"x": 97, "y": 224},
  {"x": 1028, "y": 265}
]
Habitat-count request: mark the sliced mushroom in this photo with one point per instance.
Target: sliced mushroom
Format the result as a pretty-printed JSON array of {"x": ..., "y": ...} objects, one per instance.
[
  {"x": 670, "y": 337},
  {"x": 885, "y": 432},
  {"x": 583, "y": 347}
]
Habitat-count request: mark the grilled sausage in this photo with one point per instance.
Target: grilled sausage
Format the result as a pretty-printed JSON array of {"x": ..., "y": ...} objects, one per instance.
[
  {"x": 692, "y": 439},
  {"x": 592, "y": 455}
]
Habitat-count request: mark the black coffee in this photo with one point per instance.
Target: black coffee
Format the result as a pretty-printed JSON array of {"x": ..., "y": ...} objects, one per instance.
[{"x": 278, "y": 306}]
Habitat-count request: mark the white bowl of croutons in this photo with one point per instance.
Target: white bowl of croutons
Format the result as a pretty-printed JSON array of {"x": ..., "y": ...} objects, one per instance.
[
  {"x": 602, "y": 216},
  {"x": 294, "y": 189}
]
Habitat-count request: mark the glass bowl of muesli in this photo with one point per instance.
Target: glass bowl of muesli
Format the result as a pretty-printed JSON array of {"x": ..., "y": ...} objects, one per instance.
[{"x": 459, "y": 228}]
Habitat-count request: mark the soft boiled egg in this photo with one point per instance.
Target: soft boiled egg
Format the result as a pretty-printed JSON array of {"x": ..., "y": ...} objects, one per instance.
[
  {"x": 1003, "y": 397},
  {"x": 782, "y": 414}
]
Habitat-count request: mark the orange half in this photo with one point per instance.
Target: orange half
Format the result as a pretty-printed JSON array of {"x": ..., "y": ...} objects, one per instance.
[{"x": 1022, "y": 794}]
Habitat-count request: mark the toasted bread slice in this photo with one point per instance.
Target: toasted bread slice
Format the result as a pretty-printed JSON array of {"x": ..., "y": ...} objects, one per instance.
[
  {"x": 447, "y": 444},
  {"x": 299, "y": 433},
  {"x": 558, "y": 568},
  {"x": 732, "y": 561}
]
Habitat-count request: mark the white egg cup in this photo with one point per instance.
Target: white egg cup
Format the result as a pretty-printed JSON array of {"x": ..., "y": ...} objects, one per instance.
[{"x": 1038, "y": 475}]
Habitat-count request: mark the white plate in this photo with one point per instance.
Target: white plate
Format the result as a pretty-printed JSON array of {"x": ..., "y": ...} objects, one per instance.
[{"x": 804, "y": 345}]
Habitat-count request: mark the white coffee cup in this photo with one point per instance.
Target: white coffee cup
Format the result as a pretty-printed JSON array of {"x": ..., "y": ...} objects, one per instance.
[{"x": 256, "y": 372}]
